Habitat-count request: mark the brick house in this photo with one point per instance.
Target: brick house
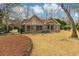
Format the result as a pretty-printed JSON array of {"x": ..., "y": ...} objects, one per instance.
[{"x": 35, "y": 24}]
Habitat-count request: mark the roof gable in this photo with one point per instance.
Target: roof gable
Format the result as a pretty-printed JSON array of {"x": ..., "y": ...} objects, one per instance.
[
  {"x": 52, "y": 21},
  {"x": 34, "y": 20}
]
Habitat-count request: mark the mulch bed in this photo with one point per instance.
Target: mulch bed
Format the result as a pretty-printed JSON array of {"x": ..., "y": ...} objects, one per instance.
[{"x": 15, "y": 45}]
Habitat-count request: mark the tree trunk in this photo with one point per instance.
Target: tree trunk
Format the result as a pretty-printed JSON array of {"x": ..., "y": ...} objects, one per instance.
[
  {"x": 74, "y": 32},
  {"x": 7, "y": 27},
  {"x": 6, "y": 22}
]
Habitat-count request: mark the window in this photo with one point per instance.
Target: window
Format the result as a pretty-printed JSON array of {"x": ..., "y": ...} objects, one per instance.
[
  {"x": 38, "y": 28},
  {"x": 28, "y": 28},
  {"x": 48, "y": 26}
]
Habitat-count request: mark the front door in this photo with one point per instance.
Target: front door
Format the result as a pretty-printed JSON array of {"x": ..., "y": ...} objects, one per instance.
[{"x": 50, "y": 27}]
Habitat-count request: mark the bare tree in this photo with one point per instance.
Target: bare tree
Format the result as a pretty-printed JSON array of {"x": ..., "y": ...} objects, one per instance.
[
  {"x": 74, "y": 32},
  {"x": 46, "y": 12},
  {"x": 7, "y": 10},
  {"x": 1, "y": 15}
]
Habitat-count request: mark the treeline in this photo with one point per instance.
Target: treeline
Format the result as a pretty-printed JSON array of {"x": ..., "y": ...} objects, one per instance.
[
  {"x": 3, "y": 28},
  {"x": 65, "y": 26}
]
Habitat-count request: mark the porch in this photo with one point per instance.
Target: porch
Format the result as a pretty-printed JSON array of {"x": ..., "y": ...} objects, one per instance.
[{"x": 39, "y": 28}]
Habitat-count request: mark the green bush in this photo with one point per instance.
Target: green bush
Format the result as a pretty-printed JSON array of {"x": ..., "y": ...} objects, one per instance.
[
  {"x": 2, "y": 28},
  {"x": 63, "y": 24},
  {"x": 77, "y": 26},
  {"x": 67, "y": 27},
  {"x": 10, "y": 27}
]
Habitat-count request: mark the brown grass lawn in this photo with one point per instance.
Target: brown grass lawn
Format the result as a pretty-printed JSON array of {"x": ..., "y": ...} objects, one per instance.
[{"x": 54, "y": 44}]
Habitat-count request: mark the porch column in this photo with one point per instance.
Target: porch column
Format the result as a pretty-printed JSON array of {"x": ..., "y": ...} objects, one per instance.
[
  {"x": 34, "y": 28},
  {"x": 58, "y": 28},
  {"x": 30, "y": 30},
  {"x": 55, "y": 28},
  {"x": 50, "y": 28},
  {"x": 25, "y": 28}
]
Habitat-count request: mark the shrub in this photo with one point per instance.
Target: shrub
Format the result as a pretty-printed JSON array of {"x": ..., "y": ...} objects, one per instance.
[
  {"x": 62, "y": 23},
  {"x": 77, "y": 26},
  {"x": 67, "y": 27},
  {"x": 2, "y": 28}
]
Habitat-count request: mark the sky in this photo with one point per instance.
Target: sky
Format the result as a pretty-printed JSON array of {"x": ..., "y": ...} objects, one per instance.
[
  {"x": 52, "y": 10},
  {"x": 48, "y": 8}
]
